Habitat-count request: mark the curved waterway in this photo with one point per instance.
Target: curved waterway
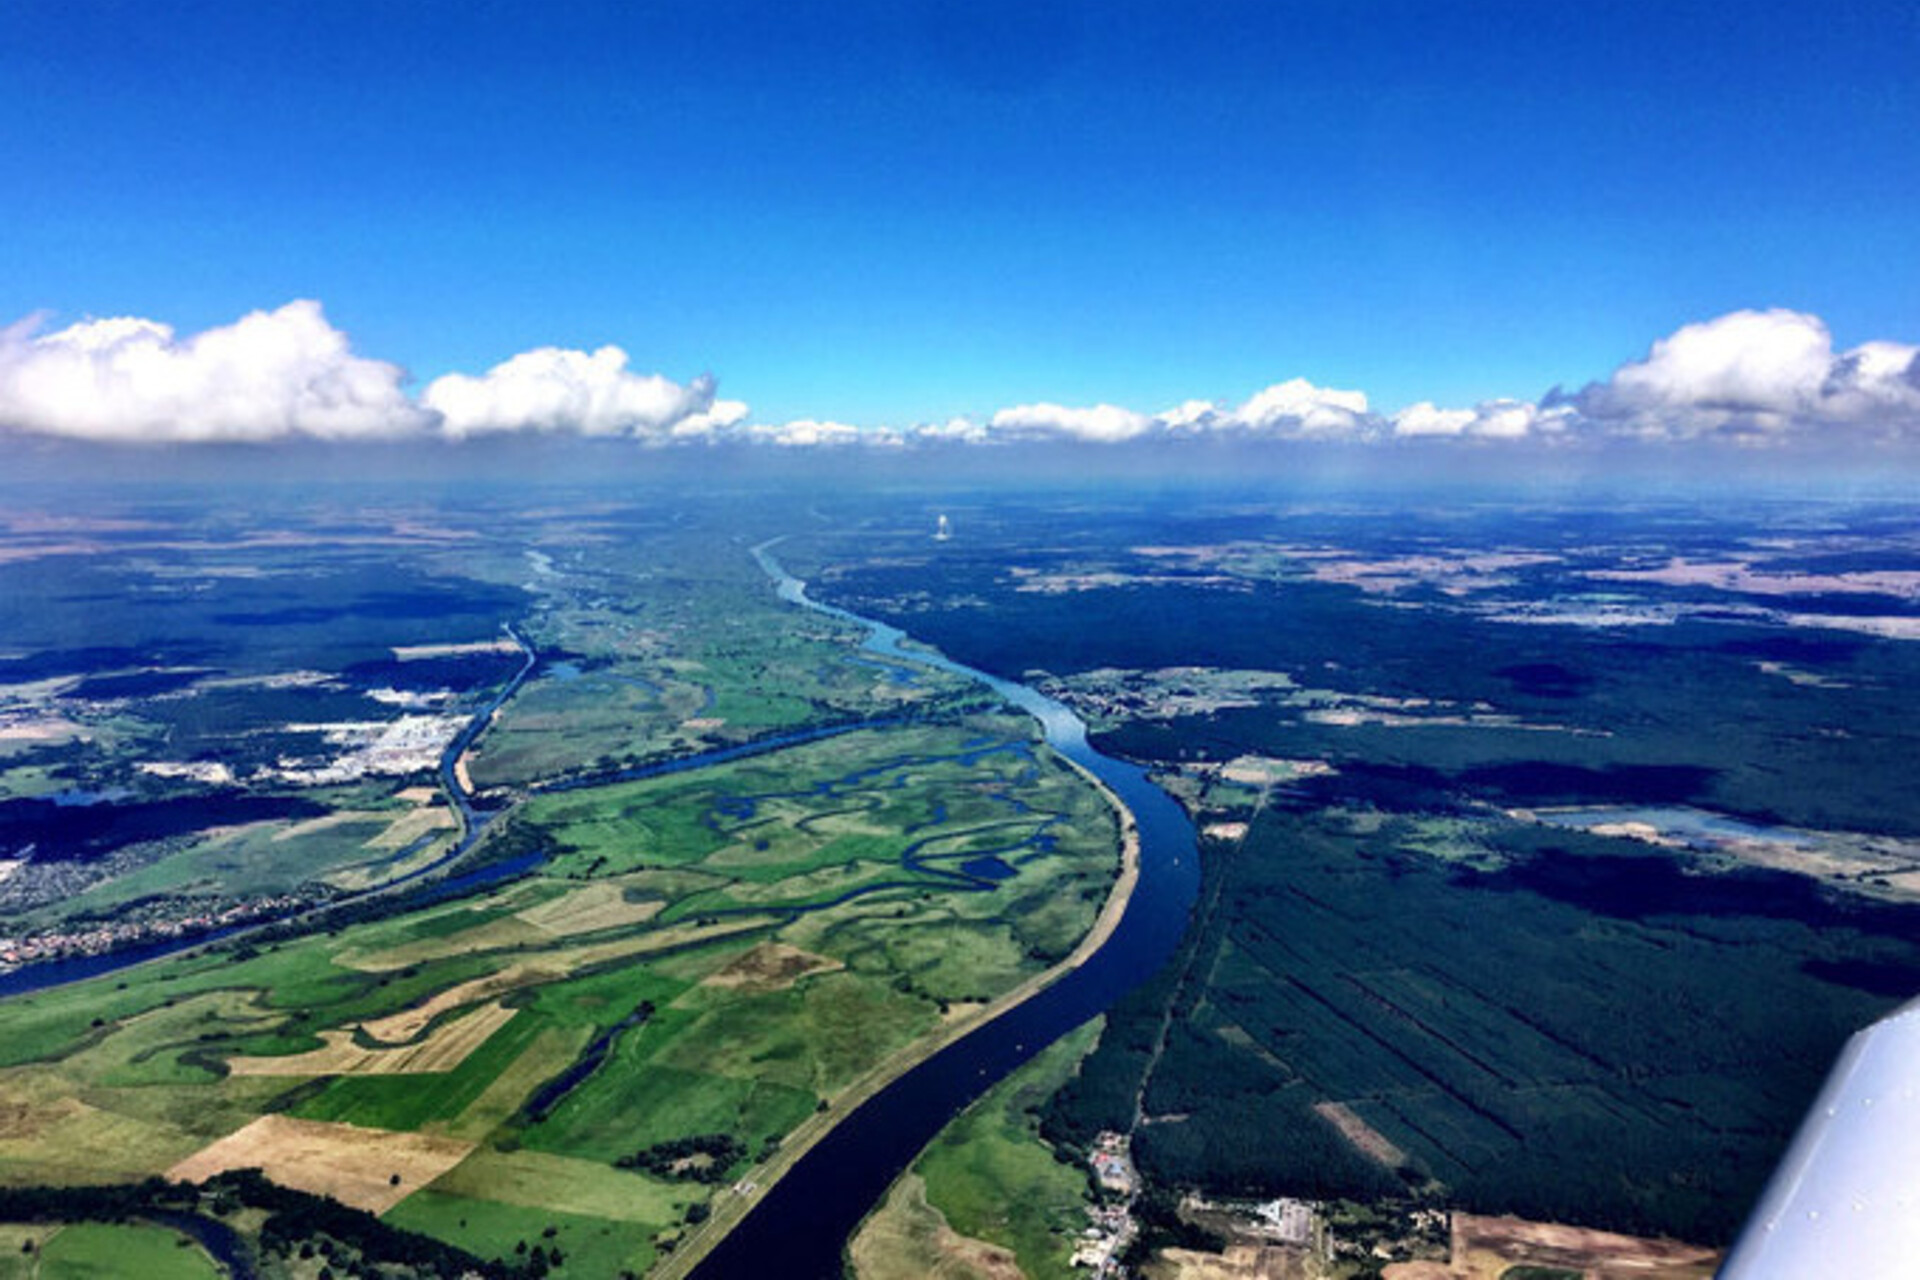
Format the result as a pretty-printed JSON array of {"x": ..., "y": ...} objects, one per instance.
[{"x": 801, "y": 1226}]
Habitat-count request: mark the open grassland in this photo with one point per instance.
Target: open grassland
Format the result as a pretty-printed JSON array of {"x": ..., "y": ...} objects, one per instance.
[
  {"x": 409, "y": 1023},
  {"x": 536, "y": 1180},
  {"x": 771, "y": 966},
  {"x": 721, "y": 952},
  {"x": 988, "y": 1197},
  {"x": 604, "y": 905},
  {"x": 441, "y": 1051},
  {"x": 666, "y": 661},
  {"x": 589, "y": 1245},
  {"x": 907, "y": 1239},
  {"x": 211, "y": 745},
  {"x": 101, "y": 1251}
]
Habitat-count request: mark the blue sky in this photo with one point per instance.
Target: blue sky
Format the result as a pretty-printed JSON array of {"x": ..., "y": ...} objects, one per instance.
[{"x": 894, "y": 213}]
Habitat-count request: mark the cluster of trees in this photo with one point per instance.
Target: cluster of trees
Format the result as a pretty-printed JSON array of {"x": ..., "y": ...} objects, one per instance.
[
  {"x": 348, "y": 1242},
  {"x": 704, "y": 1157},
  {"x": 95, "y": 1204}
]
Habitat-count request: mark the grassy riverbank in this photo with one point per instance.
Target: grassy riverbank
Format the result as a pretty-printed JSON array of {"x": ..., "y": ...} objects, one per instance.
[
  {"x": 729, "y": 1210},
  {"x": 727, "y": 951}
]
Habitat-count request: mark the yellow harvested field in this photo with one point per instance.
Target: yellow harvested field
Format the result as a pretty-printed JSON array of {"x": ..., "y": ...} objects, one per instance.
[
  {"x": 602, "y": 905},
  {"x": 1368, "y": 1140},
  {"x": 666, "y": 939},
  {"x": 411, "y": 825},
  {"x": 1486, "y": 1248},
  {"x": 408, "y": 1023},
  {"x": 325, "y": 822},
  {"x": 771, "y": 966},
  {"x": 1239, "y": 1262},
  {"x": 1645, "y": 832},
  {"x": 489, "y": 935},
  {"x": 1264, "y": 771},
  {"x": 444, "y": 1050},
  {"x": 353, "y": 1165},
  {"x": 512, "y": 931}
]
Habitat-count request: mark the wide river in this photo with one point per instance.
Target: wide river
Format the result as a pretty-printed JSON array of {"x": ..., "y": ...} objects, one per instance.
[{"x": 801, "y": 1226}]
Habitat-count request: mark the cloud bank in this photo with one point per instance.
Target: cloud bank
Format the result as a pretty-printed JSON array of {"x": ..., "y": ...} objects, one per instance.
[
  {"x": 269, "y": 375},
  {"x": 1748, "y": 378},
  {"x": 555, "y": 390},
  {"x": 1758, "y": 377},
  {"x": 289, "y": 374}
]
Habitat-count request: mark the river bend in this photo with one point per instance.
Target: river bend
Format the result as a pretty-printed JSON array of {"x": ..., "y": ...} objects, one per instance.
[{"x": 802, "y": 1225}]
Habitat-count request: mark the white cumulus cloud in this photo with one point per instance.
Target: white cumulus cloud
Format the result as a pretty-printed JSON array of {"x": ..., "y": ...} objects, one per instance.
[
  {"x": 1190, "y": 417},
  {"x": 269, "y": 375},
  {"x": 555, "y": 389},
  {"x": 808, "y": 432},
  {"x": 1297, "y": 408},
  {"x": 1488, "y": 420},
  {"x": 1428, "y": 419},
  {"x": 1757, "y": 375},
  {"x": 1101, "y": 423},
  {"x": 1745, "y": 377},
  {"x": 717, "y": 422},
  {"x": 956, "y": 430}
]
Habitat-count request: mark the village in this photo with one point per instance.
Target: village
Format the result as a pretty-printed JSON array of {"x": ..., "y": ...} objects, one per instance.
[
  {"x": 1103, "y": 1245},
  {"x": 103, "y": 938},
  {"x": 1284, "y": 1238}
]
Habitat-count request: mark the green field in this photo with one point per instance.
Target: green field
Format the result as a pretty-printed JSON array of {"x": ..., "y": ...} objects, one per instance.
[
  {"x": 644, "y": 950},
  {"x": 662, "y": 661},
  {"x": 231, "y": 682},
  {"x": 715, "y": 952},
  {"x": 988, "y": 1177},
  {"x": 589, "y": 1245},
  {"x": 106, "y": 1251}
]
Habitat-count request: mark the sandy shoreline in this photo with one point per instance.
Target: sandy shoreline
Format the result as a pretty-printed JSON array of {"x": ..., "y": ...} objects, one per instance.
[{"x": 729, "y": 1208}]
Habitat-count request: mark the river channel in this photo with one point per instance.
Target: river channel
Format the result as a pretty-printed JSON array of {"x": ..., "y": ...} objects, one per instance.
[{"x": 801, "y": 1226}]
